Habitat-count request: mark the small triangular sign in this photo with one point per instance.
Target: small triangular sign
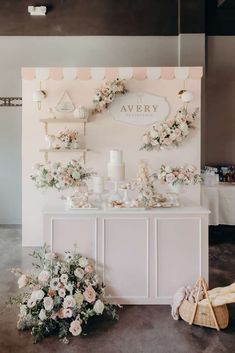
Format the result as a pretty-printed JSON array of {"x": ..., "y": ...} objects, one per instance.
[{"x": 65, "y": 104}]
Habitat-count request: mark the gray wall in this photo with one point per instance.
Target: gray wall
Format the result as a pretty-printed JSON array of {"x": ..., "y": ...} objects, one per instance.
[
  {"x": 220, "y": 100},
  {"x": 17, "y": 52}
]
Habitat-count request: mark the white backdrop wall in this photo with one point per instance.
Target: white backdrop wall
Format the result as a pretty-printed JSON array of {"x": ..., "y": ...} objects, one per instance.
[{"x": 100, "y": 139}]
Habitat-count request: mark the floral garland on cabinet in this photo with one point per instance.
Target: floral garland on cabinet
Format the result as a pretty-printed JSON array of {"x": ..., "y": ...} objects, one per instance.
[{"x": 171, "y": 132}]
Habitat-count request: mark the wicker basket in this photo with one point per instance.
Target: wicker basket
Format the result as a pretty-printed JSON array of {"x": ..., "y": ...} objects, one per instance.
[{"x": 204, "y": 315}]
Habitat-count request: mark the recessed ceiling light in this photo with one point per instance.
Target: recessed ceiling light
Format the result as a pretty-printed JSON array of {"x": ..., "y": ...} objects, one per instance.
[{"x": 37, "y": 10}]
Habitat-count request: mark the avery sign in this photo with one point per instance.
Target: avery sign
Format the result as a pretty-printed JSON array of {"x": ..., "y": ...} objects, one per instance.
[{"x": 139, "y": 108}]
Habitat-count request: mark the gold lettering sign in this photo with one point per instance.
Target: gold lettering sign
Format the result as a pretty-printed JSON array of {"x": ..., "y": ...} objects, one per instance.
[{"x": 139, "y": 108}]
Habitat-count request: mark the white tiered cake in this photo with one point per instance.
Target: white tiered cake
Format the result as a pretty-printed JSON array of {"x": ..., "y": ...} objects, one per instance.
[{"x": 116, "y": 167}]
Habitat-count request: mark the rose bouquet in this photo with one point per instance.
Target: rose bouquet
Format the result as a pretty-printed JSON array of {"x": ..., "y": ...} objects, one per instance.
[
  {"x": 106, "y": 94},
  {"x": 68, "y": 138},
  {"x": 186, "y": 175},
  {"x": 55, "y": 175},
  {"x": 170, "y": 132},
  {"x": 60, "y": 297}
]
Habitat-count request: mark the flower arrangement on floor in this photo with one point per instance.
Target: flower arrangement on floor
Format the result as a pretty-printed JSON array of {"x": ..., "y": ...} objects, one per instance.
[
  {"x": 107, "y": 93},
  {"x": 55, "y": 175},
  {"x": 186, "y": 175},
  {"x": 68, "y": 139},
  {"x": 60, "y": 297},
  {"x": 170, "y": 132}
]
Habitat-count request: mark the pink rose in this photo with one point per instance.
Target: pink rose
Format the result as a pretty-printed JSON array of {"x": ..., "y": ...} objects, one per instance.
[
  {"x": 88, "y": 269},
  {"x": 75, "y": 328},
  {"x": 48, "y": 303},
  {"x": 170, "y": 123},
  {"x": 22, "y": 281},
  {"x": 89, "y": 294},
  {"x": 43, "y": 276},
  {"x": 168, "y": 141},
  {"x": 67, "y": 313}
]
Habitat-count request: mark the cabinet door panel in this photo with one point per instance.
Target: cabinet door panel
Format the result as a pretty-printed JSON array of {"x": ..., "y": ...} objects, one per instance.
[
  {"x": 177, "y": 254},
  {"x": 70, "y": 233},
  {"x": 126, "y": 257}
]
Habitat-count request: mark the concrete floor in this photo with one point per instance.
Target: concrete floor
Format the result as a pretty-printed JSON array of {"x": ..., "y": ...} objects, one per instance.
[{"x": 141, "y": 329}]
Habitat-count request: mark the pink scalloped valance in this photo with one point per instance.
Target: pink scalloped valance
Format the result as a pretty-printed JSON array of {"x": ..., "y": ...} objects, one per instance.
[{"x": 100, "y": 73}]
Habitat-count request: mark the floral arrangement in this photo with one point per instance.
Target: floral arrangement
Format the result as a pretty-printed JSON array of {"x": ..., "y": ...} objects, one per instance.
[
  {"x": 144, "y": 184},
  {"x": 170, "y": 132},
  {"x": 55, "y": 175},
  {"x": 68, "y": 138},
  {"x": 106, "y": 94},
  {"x": 186, "y": 175},
  {"x": 60, "y": 297}
]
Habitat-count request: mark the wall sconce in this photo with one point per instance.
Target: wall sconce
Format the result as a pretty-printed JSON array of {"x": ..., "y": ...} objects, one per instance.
[
  {"x": 38, "y": 97},
  {"x": 185, "y": 96}
]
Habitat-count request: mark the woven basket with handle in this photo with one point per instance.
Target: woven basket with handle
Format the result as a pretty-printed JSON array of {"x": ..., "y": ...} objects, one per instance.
[{"x": 204, "y": 315}]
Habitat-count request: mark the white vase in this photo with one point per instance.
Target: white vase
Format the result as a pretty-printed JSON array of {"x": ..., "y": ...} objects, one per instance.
[
  {"x": 176, "y": 188},
  {"x": 80, "y": 112},
  {"x": 174, "y": 192},
  {"x": 49, "y": 140}
]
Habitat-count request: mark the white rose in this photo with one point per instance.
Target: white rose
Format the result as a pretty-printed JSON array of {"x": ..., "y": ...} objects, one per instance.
[
  {"x": 43, "y": 276},
  {"x": 98, "y": 307},
  {"x": 79, "y": 273},
  {"x": 22, "y": 281},
  {"x": 37, "y": 294},
  {"x": 153, "y": 134},
  {"x": 69, "y": 302},
  {"x": 31, "y": 303},
  {"x": 170, "y": 178},
  {"x": 42, "y": 315},
  {"x": 48, "y": 303},
  {"x": 168, "y": 169},
  {"x": 83, "y": 262},
  {"x": 64, "y": 278}
]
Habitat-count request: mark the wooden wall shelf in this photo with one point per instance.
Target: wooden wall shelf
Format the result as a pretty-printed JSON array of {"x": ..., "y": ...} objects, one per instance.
[{"x": 63, "y": 120}]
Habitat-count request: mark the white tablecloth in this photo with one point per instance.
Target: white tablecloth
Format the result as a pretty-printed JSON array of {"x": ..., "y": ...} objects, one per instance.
[{"x": 220, "y": 200}]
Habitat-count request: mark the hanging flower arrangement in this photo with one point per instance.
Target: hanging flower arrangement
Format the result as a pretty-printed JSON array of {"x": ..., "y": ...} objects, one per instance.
[
  {"x": 55, "y": 175},
  {"x": 170, "y": 132},
  {"x": 107, "y": 93},
  {"x": 60, "y": 297}
]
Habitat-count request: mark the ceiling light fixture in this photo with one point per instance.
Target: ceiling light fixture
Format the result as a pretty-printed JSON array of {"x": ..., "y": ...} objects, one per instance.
[{"x": 37, "y": 10}]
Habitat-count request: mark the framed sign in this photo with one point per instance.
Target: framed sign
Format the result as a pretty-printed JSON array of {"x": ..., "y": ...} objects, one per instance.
[{"x": 139, "y": 108}]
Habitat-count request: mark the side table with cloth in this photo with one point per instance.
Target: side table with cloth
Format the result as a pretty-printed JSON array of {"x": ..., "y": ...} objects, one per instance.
[{"x": 220, "y": 200}]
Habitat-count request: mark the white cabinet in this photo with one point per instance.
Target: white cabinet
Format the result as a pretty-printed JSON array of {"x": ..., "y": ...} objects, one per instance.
[{"x": 142, "y": 257}]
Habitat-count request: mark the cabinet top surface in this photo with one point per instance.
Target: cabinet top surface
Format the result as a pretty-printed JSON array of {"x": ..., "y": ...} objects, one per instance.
[{"x": 199, "y": 210}]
